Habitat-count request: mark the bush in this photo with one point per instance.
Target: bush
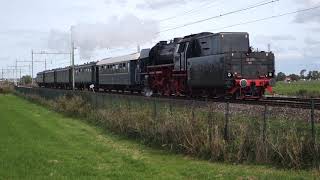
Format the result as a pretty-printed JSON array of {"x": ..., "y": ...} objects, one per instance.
[{"x": 6, "y": 89}]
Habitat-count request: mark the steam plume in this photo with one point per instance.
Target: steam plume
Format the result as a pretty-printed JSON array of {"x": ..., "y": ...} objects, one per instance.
[{"x": 115, "y": 33}]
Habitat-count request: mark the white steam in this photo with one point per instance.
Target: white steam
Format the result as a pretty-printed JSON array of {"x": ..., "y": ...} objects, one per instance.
[{"x": 115, "y": 33}]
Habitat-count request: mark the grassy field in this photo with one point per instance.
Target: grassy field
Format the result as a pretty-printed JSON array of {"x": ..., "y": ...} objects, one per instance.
[
  {"x": 300, "y": 88},
  {"x": 37, "y": 143}
]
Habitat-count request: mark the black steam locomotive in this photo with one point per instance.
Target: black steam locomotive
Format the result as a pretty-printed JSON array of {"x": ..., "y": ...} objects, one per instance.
[{"x": 204, "y": 64}]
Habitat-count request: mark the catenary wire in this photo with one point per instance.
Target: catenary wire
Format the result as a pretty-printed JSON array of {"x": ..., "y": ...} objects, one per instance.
[{"x": 221, "y": 15}]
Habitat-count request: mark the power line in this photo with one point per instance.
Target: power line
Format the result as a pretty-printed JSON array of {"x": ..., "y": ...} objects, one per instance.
[
  {"x": 270, "y": 17},
  {"x": 188, "y": 12},
  {"x": 221, "y": 15},
  {"x": 193, "y": 11}
]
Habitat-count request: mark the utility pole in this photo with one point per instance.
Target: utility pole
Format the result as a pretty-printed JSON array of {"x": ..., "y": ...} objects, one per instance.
[
  {"x": 9, "y": 70},
  {"x": 45, "y": 61},
  {"x": 17, "y": 70},
  {"x": 72, "y": 57},
  {"x": 31, "y": 67},
  {"x": 45, "y": 64},
  {"x": 138, "y": 48},
  {"x": 20, "y": 77}
]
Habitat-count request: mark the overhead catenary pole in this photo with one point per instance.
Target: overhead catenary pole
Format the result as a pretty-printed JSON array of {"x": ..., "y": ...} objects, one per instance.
[
  {"x": 45, "y": 64},
  {"x": 13, "y": 70},
  {"x": 16, "y": 70},
  {"x": 33, "y": 61},
  {"x": 72, "y": 58},
  {"x": 138, "y": 48},
  {"x": 20, "y": 77},
  {"x": 31, "y": 67}
]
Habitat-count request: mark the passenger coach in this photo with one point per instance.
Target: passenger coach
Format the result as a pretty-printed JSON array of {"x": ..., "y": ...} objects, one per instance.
[{"x": 122, "y": 73}]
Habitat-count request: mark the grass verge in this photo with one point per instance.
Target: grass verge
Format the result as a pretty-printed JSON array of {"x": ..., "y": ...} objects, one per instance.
[{"x": 300, "y": 88}]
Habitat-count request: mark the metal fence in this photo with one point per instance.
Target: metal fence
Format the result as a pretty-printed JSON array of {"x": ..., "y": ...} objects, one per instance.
[{"x": 280, "y": 130}]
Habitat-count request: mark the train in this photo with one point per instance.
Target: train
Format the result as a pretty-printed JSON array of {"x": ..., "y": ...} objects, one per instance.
[{"x": 199, "y": 65}]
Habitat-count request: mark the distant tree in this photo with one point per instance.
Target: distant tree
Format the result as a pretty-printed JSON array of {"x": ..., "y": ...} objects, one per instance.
[
  {"x": 294, "y": 77},
  {"x": 309, "y": 75},
  {"x": 281, "y": 76},
  {"x": 302, "y": 72},
  {"x": 313, "y": 75},
  {"x": 26, "y": 79}
]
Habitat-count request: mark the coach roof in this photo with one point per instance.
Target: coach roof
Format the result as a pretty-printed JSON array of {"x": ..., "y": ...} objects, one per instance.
[{"x": 135, "y": 56}]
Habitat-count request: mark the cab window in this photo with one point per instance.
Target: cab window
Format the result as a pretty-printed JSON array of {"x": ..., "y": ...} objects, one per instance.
[{"x": 182, "y": 47}]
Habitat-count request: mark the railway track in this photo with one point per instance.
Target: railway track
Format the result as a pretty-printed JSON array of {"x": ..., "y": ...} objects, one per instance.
[{"x": 276, "y": 101}]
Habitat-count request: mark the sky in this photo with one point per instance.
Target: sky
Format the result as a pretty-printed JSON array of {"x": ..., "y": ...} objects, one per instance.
[{"x": 108, "y": 28}]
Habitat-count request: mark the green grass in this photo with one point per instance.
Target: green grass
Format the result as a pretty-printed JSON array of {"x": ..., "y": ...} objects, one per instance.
[
  {"x": 36, "y": 143},
  {"x": 300, "y": 88}
]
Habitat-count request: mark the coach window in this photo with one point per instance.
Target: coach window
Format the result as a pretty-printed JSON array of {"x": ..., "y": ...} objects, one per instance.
[{"x": 120, "y": 67}]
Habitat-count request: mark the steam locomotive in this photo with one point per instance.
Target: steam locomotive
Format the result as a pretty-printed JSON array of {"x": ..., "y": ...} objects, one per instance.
[{"x": 205, "y": 64}]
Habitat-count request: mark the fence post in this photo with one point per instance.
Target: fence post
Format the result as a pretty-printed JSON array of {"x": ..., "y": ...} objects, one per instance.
[
  {"x": 209, "y": 126},
  {"x": 264, "y": 127},
  {"x": 313, "y": 134},
  {"x": 103, "y": 102},
  {"x": 129, "y": 104},
  {"x": 170, "y": 108},
  {"x": 192, "y": 114},
  {"x": 96, "y": 99},
  {"x": 226, "y": 133},
  {"x": 113, "y": 103},
  {"x": 154, "y": 109},
  {"x": 312, "y": 123}
]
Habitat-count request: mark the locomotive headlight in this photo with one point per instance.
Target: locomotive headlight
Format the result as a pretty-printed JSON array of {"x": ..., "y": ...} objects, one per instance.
[
  {"x": 270, "y": 74},
  {"x": 229, "y": 75}
]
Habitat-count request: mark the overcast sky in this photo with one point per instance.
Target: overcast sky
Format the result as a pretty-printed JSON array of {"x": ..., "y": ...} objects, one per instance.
[{"x": 104, "y": 28}]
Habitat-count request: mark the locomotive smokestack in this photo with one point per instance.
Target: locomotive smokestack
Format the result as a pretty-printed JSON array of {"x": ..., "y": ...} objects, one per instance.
[{"x": 138, "y": 48}]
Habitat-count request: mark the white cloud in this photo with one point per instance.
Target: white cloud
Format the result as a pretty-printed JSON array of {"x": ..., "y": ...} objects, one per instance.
[
  {"x": 270, "y": 38},
  {"x": 158, "y": 4},
  {"x": 312, "y": 41}
]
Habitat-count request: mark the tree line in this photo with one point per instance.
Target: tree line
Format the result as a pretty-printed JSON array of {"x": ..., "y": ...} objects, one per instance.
[{"x": 311, "y": 75}]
